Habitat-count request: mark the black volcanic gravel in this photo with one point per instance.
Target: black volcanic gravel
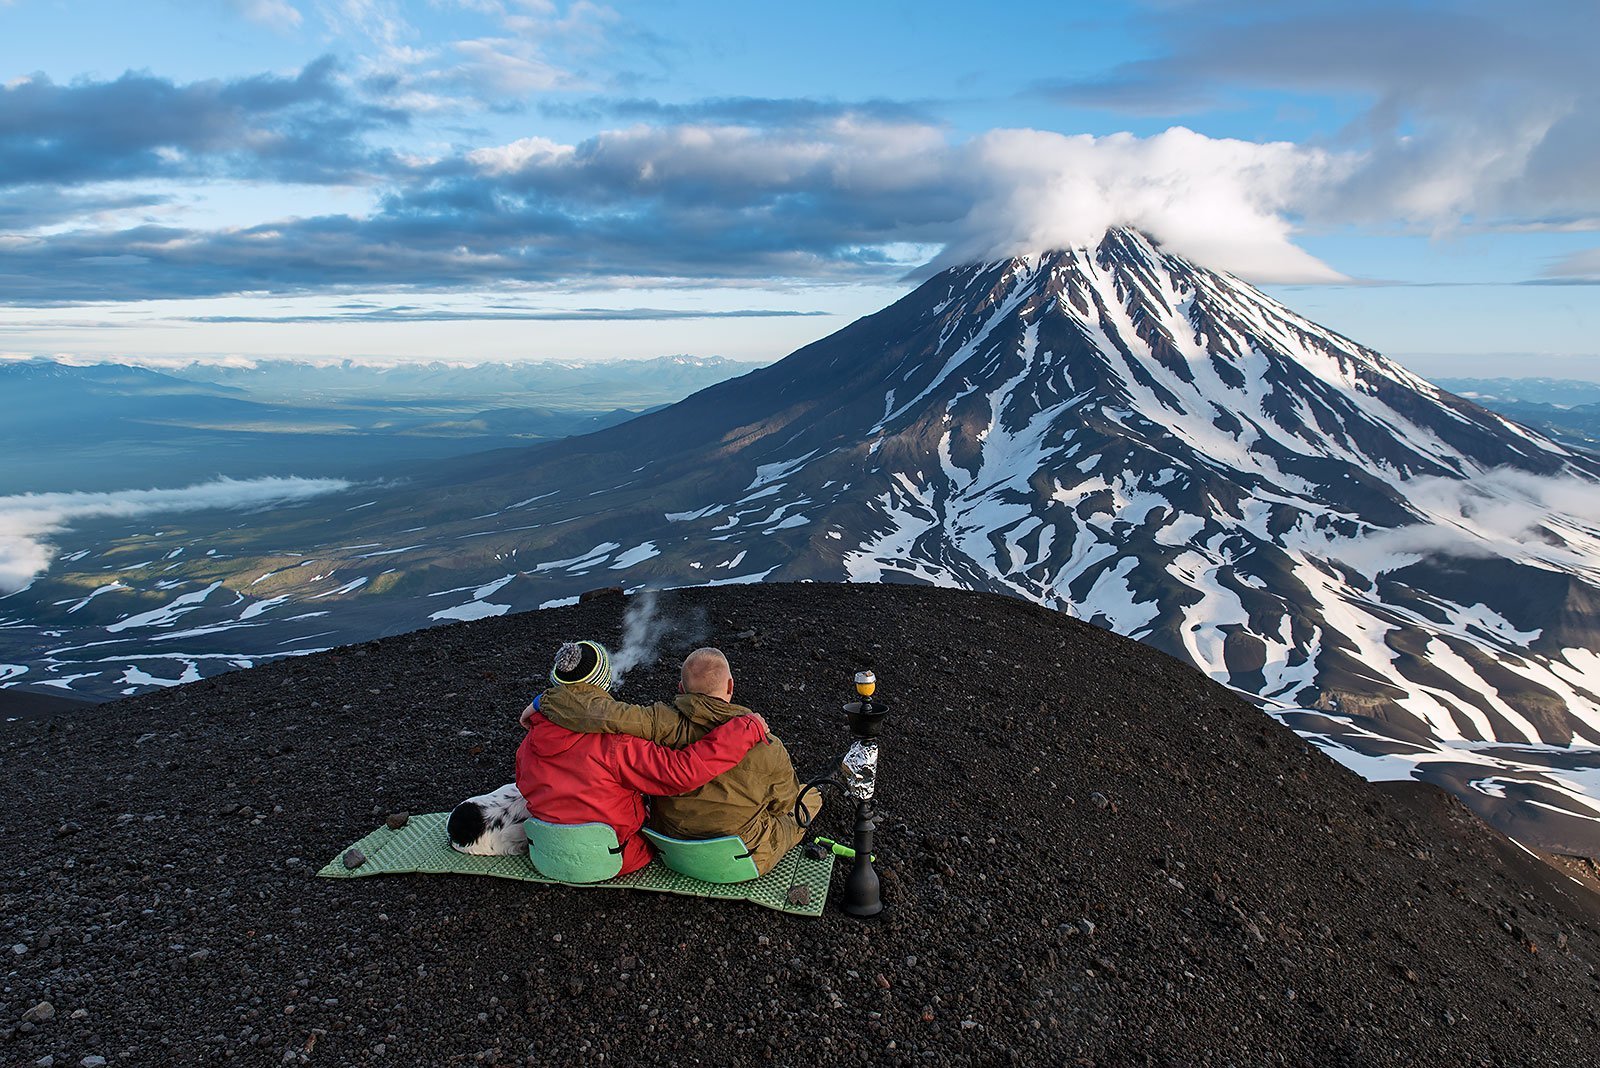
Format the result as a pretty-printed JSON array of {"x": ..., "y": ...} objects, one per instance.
[{"x": 1091, "y": 854}]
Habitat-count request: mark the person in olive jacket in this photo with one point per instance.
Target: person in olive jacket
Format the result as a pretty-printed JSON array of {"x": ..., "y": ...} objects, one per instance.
[{"x": 754, "y": 800}]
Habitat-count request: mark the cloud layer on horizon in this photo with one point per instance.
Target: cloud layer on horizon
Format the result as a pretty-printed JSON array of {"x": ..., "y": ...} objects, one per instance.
[{"x": 28, "y": 520}]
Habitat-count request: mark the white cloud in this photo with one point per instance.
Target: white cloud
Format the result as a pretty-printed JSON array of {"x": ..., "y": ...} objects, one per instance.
[
  {"x": 518, "y": 155},
  {"x": 1577, "y": 265},
  {"x": 1462, "y": 112},
  {"x": 1219, "y": 202},
  {"x": 379, "y": 20},
  {"x": 27, "y": 520},
  {"x": 505, "y": 67},
  {"x": 1501, "y": 513},
  {"x": 278, "y": 14}
]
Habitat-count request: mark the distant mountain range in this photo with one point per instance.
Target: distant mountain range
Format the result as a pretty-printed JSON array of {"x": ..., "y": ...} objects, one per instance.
[
  {"x": 1557, "y": 392},
  {"x": 1112, "y": 431},
  {"x": 112, "y": 426},
  {"x": 552, "y": 384},
  {"x": 1567, "y": 410}
]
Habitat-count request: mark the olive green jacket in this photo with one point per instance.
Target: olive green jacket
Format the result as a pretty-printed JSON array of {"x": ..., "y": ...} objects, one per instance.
[{"x": 754, "y": 800}]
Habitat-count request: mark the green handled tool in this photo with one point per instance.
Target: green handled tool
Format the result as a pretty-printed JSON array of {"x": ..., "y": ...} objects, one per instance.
[{"x": 836, "y": 849}]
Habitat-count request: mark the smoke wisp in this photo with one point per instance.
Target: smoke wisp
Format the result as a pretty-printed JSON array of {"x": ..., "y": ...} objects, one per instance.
[{"x": 646, "y": 627}]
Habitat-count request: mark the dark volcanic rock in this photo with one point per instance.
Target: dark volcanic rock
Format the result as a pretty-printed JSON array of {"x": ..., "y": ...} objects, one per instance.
[{"x": 1248, "y": 903}]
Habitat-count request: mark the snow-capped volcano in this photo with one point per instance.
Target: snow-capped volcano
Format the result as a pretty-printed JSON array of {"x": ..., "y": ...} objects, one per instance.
[{"x": 1112, "y": 431}]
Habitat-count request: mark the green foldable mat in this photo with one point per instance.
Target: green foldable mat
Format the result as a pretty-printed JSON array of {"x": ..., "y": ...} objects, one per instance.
[{"x": 422, "y": 847}]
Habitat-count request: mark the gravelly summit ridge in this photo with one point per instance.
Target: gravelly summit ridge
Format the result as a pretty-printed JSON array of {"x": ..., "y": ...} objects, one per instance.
[{"x": 1091, "y": 856}]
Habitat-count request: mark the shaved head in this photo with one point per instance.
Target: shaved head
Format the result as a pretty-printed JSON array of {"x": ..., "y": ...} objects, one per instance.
[{"x": 706, "y": 671}]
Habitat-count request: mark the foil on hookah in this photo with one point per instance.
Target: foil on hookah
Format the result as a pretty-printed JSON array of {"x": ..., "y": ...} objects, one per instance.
[{"x": 861, "y": 769}]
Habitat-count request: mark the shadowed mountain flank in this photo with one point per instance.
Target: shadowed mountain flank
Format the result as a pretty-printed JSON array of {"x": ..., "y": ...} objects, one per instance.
[{"x": 1091, "y": 854}]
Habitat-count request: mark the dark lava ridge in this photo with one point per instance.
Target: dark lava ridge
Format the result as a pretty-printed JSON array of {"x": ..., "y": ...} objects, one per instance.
[{"x": 1237, "y": 899}]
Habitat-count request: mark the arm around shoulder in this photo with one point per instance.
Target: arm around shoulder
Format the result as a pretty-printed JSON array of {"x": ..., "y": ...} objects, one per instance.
[
  {"x": 591, "y": 710},
  {"x": 655, "y": 769}
]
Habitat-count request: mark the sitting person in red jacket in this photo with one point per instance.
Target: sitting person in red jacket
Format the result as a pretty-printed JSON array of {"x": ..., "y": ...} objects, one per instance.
[{"x": 567, "y": 777}]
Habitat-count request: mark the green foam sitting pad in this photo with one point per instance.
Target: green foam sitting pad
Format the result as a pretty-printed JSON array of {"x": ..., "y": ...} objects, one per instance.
[
  {"x": 573, "y": 852},
  {"x": 423, "y": 847},
  {"x": 711, "y": 860}
]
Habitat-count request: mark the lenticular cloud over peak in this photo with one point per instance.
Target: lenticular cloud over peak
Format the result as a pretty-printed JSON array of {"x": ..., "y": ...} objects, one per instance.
[
  {"x": 1221, "y": 202},
  {"x": 27, "y": 519}
]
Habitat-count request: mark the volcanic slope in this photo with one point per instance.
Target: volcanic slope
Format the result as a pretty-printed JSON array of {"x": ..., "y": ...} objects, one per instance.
[
  {"x": 1115, "y": 432},
  {"x": 1091, "y": 854}
]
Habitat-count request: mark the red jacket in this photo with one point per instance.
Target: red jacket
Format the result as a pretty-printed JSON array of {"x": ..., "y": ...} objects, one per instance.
[{"x": 567, "y": 777}]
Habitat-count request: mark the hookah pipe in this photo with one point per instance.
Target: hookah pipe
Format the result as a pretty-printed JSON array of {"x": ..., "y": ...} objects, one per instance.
[{"x": 855, "y": 775}]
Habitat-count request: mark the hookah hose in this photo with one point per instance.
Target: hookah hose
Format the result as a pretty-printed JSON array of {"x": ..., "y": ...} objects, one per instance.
[{"x": 804, "y": 819}]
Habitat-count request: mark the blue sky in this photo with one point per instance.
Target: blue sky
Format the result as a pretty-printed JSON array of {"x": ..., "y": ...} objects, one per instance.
[{"x": 449, "y": 179}]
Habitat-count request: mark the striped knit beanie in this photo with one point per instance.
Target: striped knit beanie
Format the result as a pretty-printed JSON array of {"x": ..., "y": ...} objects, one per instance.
[{"x": 583, "y": 661}]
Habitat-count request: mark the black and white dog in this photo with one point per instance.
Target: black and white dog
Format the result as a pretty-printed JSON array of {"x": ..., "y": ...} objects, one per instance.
[{"x": 490, "y": 825}]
